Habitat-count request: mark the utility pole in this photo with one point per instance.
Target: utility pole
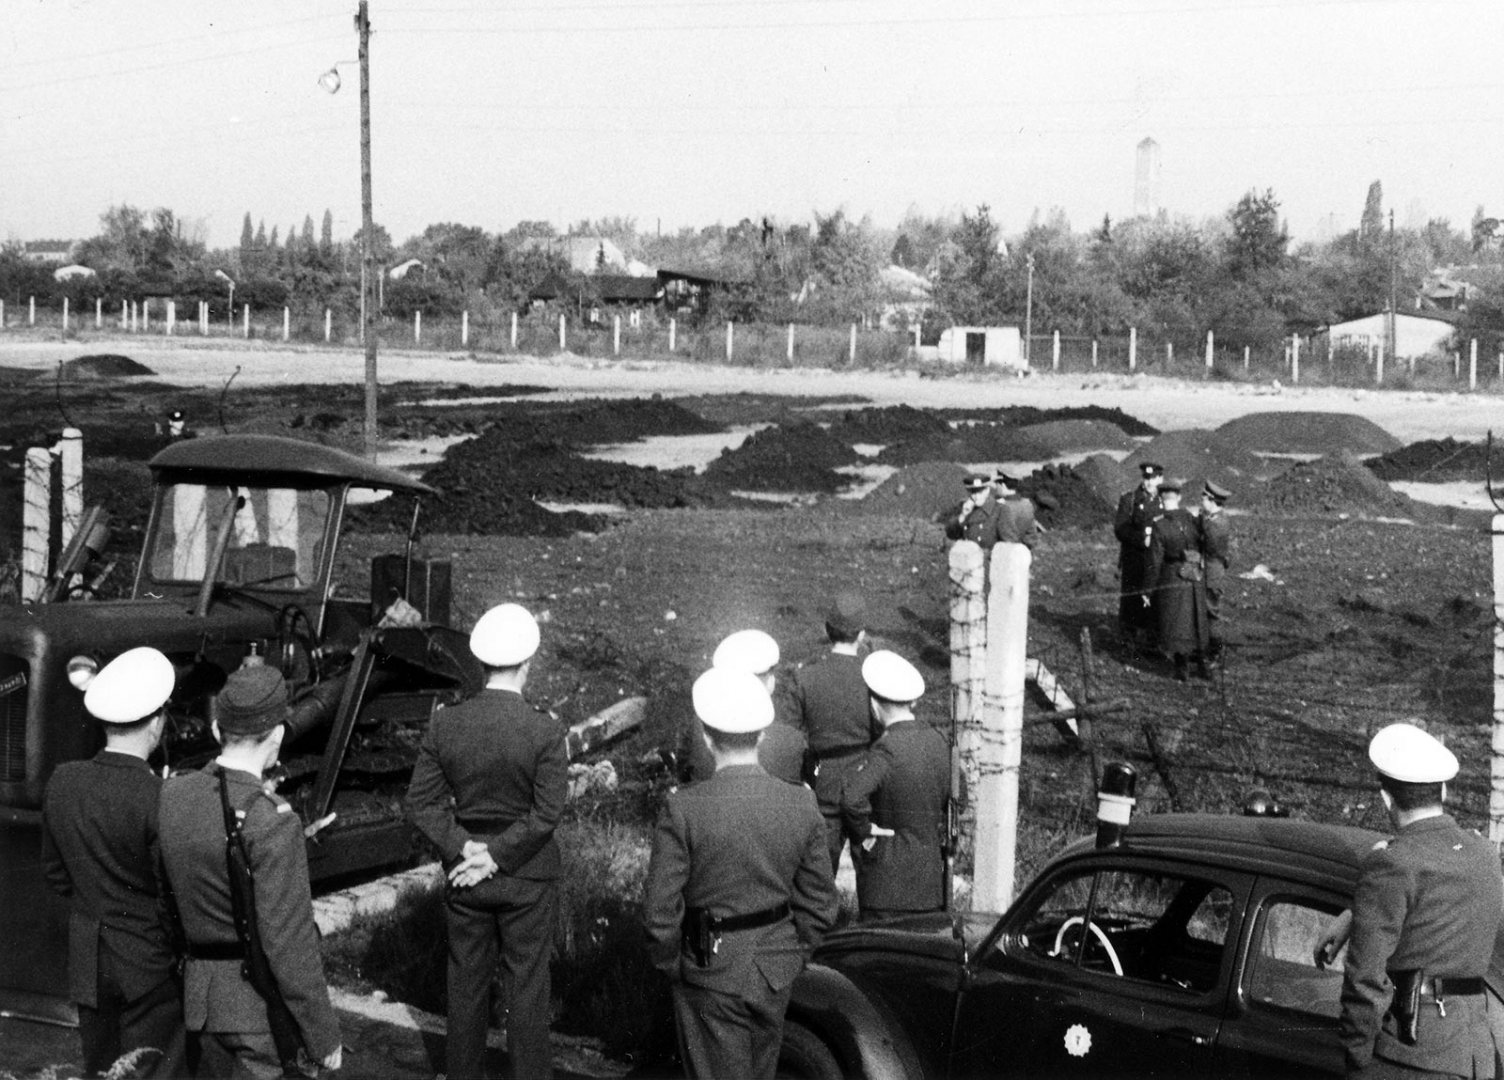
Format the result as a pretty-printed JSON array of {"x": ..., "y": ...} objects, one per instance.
[
  {"x": 1029, "y": 315},
  {"x": 1392, "y": 288},
  {"x": 367, "y": 240}
]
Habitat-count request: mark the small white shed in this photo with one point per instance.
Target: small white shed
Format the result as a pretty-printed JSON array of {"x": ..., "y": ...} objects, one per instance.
[
  {"x": 993, "y": 346},
  {"x": 1416, "y": 333}
]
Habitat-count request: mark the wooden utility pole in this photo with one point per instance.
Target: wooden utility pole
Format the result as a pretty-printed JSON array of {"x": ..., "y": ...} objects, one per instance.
[{"x": 367, "y": 240}]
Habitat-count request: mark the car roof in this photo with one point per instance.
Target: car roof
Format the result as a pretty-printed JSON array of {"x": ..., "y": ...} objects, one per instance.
[
  {"x": 279, "y": 456},
  {"x": 1326, "y": 853}
]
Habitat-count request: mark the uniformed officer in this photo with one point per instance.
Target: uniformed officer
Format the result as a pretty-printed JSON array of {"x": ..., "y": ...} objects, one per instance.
[
  {"x": 100, "y": 852},
  {"x": 1015, "y": 521},
  {"x": 1424, "y": 918},
  {"x": 177, "y": 424},
  {"x": 985, "y": 518},
  {"x": 782, "y": 748},
  {"x": 1178, "y": 580},
  {"x": 739, "y": 889},
  {"x": 1132, "y": 524},
  {"x": 829, "y": 702},
  {"x": 1216, "y": 552},
  {"x": 219, "y": 1004},
  {"x": 894, "y": 802},
  {"x": 487, "y": 790}
]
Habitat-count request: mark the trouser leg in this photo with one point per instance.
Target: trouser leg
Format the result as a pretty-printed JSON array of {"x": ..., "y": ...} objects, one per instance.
[
  {"x": 766, "y": 1011},
  {"x": 527, "y": 937},
  {"x": 472, "y": 966},
  {"x": 232, "y": 1055},
  {"x": 99, "y": 1028},
  {"x": 715, "y": 1033},
  {"x": 155, "y": 1020}
]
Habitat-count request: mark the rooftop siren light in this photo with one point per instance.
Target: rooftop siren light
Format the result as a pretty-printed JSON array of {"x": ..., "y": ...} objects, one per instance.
[{"x": 1115, "y": 803}]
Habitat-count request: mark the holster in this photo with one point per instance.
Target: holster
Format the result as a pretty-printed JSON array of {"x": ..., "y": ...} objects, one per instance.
[
  {"x": 1405, "y": 1007},
  {"x": 698, "y": 935}
]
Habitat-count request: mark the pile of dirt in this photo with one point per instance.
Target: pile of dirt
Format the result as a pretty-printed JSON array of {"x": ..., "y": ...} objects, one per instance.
[
  {"x": 1107, "y": 478},
  {"x": 1335, "y": 484},
  {"x": 1436, "y": 461},
  {"x": 1198, "y": 455},
  {"x": 918, "y": 491},
  {"x": 979, "y": 442},
  {"x": 787, "y": 457},
  {"x": 1073, "y": 436},
  {"x": 100, "y": 366},
  {"x": 1066, "y": 499},
  {"x": 889, "y": 424},
  {"x": 594, "y": 423},
  {"x": 1025, "y": 415},
  {"x": 1307, "y": 433}
]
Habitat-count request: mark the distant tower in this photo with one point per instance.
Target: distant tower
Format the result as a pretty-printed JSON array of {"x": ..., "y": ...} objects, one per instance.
[{"x": 1146, "y": 180}]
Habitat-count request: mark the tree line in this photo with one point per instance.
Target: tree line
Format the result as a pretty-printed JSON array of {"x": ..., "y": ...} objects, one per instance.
[{"x": 1237, "y": 274}]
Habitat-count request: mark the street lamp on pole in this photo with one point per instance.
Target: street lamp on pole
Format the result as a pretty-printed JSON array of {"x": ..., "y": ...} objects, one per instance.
[{"x": 330, "y": 81}]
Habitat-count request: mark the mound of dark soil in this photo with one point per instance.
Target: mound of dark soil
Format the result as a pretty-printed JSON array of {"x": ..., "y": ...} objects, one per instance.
[
  {"x": 1066, "y": 499},
  {"x": 1197, "y": 455},
  {"x": 786, "y": 457},
  {"x": 970, "y": 443},
  {"x": 1107, "y": 477},
  {"x": 100, "y": 366},
  {"x": 1073, "y": 436},
  {"x": 1307, "y": 433},
  {"x": 1436, "y": 461},
  {"x": 591, "y": 423},
  {"x": 888, "y": 424},
  {"x": 918, "y": 491},
  {"x": 1336, "y": 484},
  {"x": 1025, "y": 415}
]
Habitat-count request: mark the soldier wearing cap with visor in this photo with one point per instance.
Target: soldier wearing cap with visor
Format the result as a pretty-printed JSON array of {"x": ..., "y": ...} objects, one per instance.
[
  {"x": 488, "y": 790},
  {"x": 894, "y": 802},
  {"x": 101, "y": 853},
  {"x": 1216, "y": 553},
  {"x": 829, "y": 703},
  {"x": 782, "y": 748},
  {"x": 220, "y": 1005},
  {"x": 988, "y": 517},
  {"x": 739, "y": 889},
  {"x": 1424, "y": 918},
  {"x": 1132, "y": 524}
]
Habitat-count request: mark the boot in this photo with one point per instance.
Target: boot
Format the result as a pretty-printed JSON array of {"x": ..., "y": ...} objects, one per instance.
[{"x": 1182, "y": 667}]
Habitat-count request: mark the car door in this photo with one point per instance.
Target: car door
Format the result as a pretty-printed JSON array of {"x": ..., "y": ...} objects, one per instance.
[
  {"x": 1282, "y": 1016},
  {"x": 1110, "y": 967}
]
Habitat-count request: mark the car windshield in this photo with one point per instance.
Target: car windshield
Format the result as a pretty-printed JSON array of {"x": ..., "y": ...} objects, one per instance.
[{"x": 276, "y": 535}]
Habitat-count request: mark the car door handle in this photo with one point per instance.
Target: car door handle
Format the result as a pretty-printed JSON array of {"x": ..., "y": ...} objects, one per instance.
[{"x": 1184, "y": 1034}]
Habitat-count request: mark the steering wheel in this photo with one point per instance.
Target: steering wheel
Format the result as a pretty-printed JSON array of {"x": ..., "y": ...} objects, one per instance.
[{"x": 1096, "y": 932}]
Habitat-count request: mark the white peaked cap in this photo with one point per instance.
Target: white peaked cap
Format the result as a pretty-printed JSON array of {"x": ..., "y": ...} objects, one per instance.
[
  {"x": 1404, "y": 752},
  {"x": 505, "y": 636},
  {"x": 891, "y": 677},
  {"x": 747, "y": 650},
  {"x": 732, "y": 701},
  {"x": 130, "y": 687}
]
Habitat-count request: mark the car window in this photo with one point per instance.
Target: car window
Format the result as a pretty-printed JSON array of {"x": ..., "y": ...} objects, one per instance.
[
  {"x": 275, "y": 541},
  {"x": 1282, "y": 969},
  {"x": 1150, "y": 926}
]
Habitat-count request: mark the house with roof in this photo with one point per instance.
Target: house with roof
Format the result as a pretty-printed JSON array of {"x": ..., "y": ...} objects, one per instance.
[
  {"x": 598, "y": 296},
  {"x": 1416, "y": 333},
  {"x": 588, "y": 254}
]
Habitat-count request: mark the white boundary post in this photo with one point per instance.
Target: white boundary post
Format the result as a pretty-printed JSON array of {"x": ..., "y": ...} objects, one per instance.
[
  {"x": 1210, "y": 348},
  {"x": 31, "y": 311},
  {"x": 465, "y": 328},
  {"x": 65, "y": 314},
  {"x": 968, "y": 658},
  {"x": 172, "y": 316},
  {"x": 1132, "y": 348},
  {"x": 673, "y": 326},
  {"x": 788, "y": 352},
  {"x": 1055, "y": 351},
  {"x": 70, "y": 455},
  {"x": 417, "y": 328},
  {"x": 561, "y": 332},
  {"x": 729, "y": 343},
  {"x": 328, "y": 323},
  {"x": 245, "y": 312},
  {"x": 514, "y": 331},
  {"x": 36, "y": 523},
  {"x": 616, "y": 335},
  {"x": 98, "y": 312},
  {"x": 1003, "y": 721},
  {"x": 1472, "y": 365},
  {"x": 1294, "y": 358},
  {"x": 1094, "y": 354},
  {"x": 286, "y": 323},
  {"x": 852, "y": 354}
]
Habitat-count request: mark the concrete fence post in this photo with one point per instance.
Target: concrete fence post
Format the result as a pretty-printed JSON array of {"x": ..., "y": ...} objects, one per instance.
[
  {"x": 1132, "y": 348},
  {"x": 245, "y": 320},
  {"x": 65, "y": 314},
  {"x": 70, "y": 456},
  {"x": 968, "y": 655},
  {"x": 124, "y": 315},
  {"x": 1472, "y": 364},
  {"x": 852, "y": 356},
  {"x": 789, "y": 350},
  {"x": 616, "y": 335},
  {"x": 146, "y": 315},
  {"x": 98, "y": 313},
  {"x": 1294, "y": 358},
  {"x": 1055, "y": 351},
  {"x": 172, "y": 317},
  {"x": 729, "y": 342},
  {"x": 36, "y": 522},
  {"x": 514, "y": 331},
  {"x": 465, "y": 329},
  {"x": 1003, "y": 721},
  {"x": 31, "y": 312},
  {"x": 286, "y": 323},
  {"x": 1210, "y": 349},
  {"x": 1501, "y": 351},
  {"x": 1094, "y": 354},
  {"x": 328, "y": 324},
  {"x": 673, "y": 325},
  {"x": 561, "y": 333},
  {"x": 417, "y": 328}
]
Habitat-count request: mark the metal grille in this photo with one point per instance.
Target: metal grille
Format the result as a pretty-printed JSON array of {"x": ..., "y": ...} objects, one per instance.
[{"x": 14, "y": 690}]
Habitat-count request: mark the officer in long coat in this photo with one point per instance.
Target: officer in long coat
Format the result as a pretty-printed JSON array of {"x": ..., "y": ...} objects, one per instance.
[
  {"x": 894, "y": 802},
  {"x": 1132, "y": 524},
  {"x": 219, "y": 1004},
  {"x": 1216, "y": 552},
  {"x": 1178, "y": 579},
  {"x": 1424, "y": 919},
  {"x": 829, "y": 702},
  {"x": 488, "y": 790},
  {"x": 101, "y": 853},
  {"x": 739, "y": 889}
]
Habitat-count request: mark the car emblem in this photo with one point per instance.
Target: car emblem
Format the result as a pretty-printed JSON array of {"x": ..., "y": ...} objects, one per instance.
[{"x": 1077, "y": 1040}]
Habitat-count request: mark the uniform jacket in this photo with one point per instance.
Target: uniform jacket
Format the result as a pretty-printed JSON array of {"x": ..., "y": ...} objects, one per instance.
[
  {"x": 738, "y": 843},
  {"x": 1216, "y": 548},
  {"x": 100, "y": 853},
  {"x": 1429, "y": 899},
  {"x": 831, "y": 704},
  {"x": 493, "y": 769},
  {"x": 1135, "y": 515},
  {"x": 1178, "y": 579},
  {"x": 781, "y": 752},
  {"x": 902, "y": 785},
  {"x": 1007, "y": 521},
  {"x": 216, "y": 997}
]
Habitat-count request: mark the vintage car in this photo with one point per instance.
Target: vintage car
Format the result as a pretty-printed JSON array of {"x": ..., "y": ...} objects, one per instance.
[{"x": 1185, "y": 949}]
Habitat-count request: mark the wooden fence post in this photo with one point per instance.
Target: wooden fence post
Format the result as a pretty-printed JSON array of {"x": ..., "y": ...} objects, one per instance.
[
  {"x": 417, "y": 328},
  {"x": 65, "y": 314},
  {"x": 673, "y": 325},
  {"x": 616, "y": 335},
  {"x": 98, "y": 313},
  {"x": 997, "y": 803},
  {"x": 853, "y": 344},
  {"x": 1210, "y": 346},
  {"x": 31, "y": 312},
  {"x": 1094, "y": 354},
  {"x": 245, "y": 311},
  {"x": 286, "y": 323},
  {"x": 1472, "y": 365},
  {"x": 70, "y": 458},
  {"x": 728, "y": 342},
  {"x": 328, "y": 323},
  {"x": 1294, "y": 358},
  {"x": 561, "y": 332},
  {"x": 514, "y": 331}
]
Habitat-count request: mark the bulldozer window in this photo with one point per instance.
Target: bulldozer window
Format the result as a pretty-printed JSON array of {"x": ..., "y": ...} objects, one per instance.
[{"x": 275, "y": 539}]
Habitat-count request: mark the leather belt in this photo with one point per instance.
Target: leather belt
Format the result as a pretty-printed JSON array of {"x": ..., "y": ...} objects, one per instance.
[
  {"x": 840, "y": 751},
  {"x": 230, "y": 950},
  {"x": 486, "y": 824},
  {"x": 1446, "y": 987},
  {"x": 765, "y": 917}
]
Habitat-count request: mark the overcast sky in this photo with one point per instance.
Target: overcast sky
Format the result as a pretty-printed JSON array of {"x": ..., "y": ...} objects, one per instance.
[{"x": 689, "y": 112}]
